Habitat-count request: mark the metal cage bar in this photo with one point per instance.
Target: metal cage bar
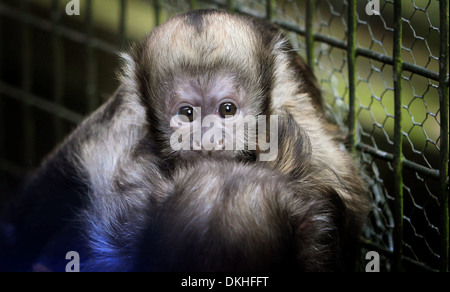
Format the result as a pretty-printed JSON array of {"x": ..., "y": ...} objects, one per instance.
[
  {"x": 231, "y": 5},
  {"x": 309, "y": 33},
  {"x": 397, "y": 163},
  {"x": 123, "y": 21},
  {"x": 91, "y": 63},
  {"x": 270, "y": 9},
  {"x": 40, "y": 103},
  {"x": 443, "y": 107},
  {"x": 27, "y": 113},
  {"x": 58, "y": 69},
  {"x": 390, "y": 157},
  {"x": 359, "y": 51},
  {"x": 193, "y": 4},
  {"x": 157, "y": 5},
  {"x": 351, "y": 64}
]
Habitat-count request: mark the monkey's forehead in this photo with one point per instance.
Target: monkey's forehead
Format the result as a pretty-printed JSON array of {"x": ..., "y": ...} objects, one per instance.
[{"x": 208, "y": 37}]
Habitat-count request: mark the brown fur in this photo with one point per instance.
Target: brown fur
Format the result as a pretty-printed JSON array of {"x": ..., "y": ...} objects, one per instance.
[
  {"x": 116, "y": 177},
  {"x": 276, "y": 81}
]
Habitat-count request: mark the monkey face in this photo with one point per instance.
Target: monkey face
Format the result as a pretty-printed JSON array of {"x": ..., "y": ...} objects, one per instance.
[
  {"x": 218, "y": 96},
  {"x": 207, "y": 116},
  {"x": 204, "y": 78}
]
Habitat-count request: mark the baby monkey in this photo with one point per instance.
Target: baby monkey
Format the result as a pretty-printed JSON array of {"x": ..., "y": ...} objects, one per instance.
[{"x": 120, "y": 193}]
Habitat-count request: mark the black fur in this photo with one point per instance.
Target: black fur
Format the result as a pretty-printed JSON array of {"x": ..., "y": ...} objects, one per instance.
[{"x": 48, "y": 203}]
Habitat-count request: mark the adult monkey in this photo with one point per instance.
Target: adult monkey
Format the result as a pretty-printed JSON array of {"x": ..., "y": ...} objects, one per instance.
[{"x": 119, "y": 159}]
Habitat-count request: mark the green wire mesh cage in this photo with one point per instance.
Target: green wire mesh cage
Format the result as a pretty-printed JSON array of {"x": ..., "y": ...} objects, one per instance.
[{"x": 382, "y": 65}]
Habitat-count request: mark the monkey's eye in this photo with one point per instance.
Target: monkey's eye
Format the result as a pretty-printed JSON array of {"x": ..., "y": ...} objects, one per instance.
[
  {"x": 188, "y": 112},
  {"x": 227, "y": 109}
]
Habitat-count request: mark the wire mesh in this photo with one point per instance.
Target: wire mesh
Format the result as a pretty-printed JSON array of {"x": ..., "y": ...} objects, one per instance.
[{"x": 384, "y": 78}]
